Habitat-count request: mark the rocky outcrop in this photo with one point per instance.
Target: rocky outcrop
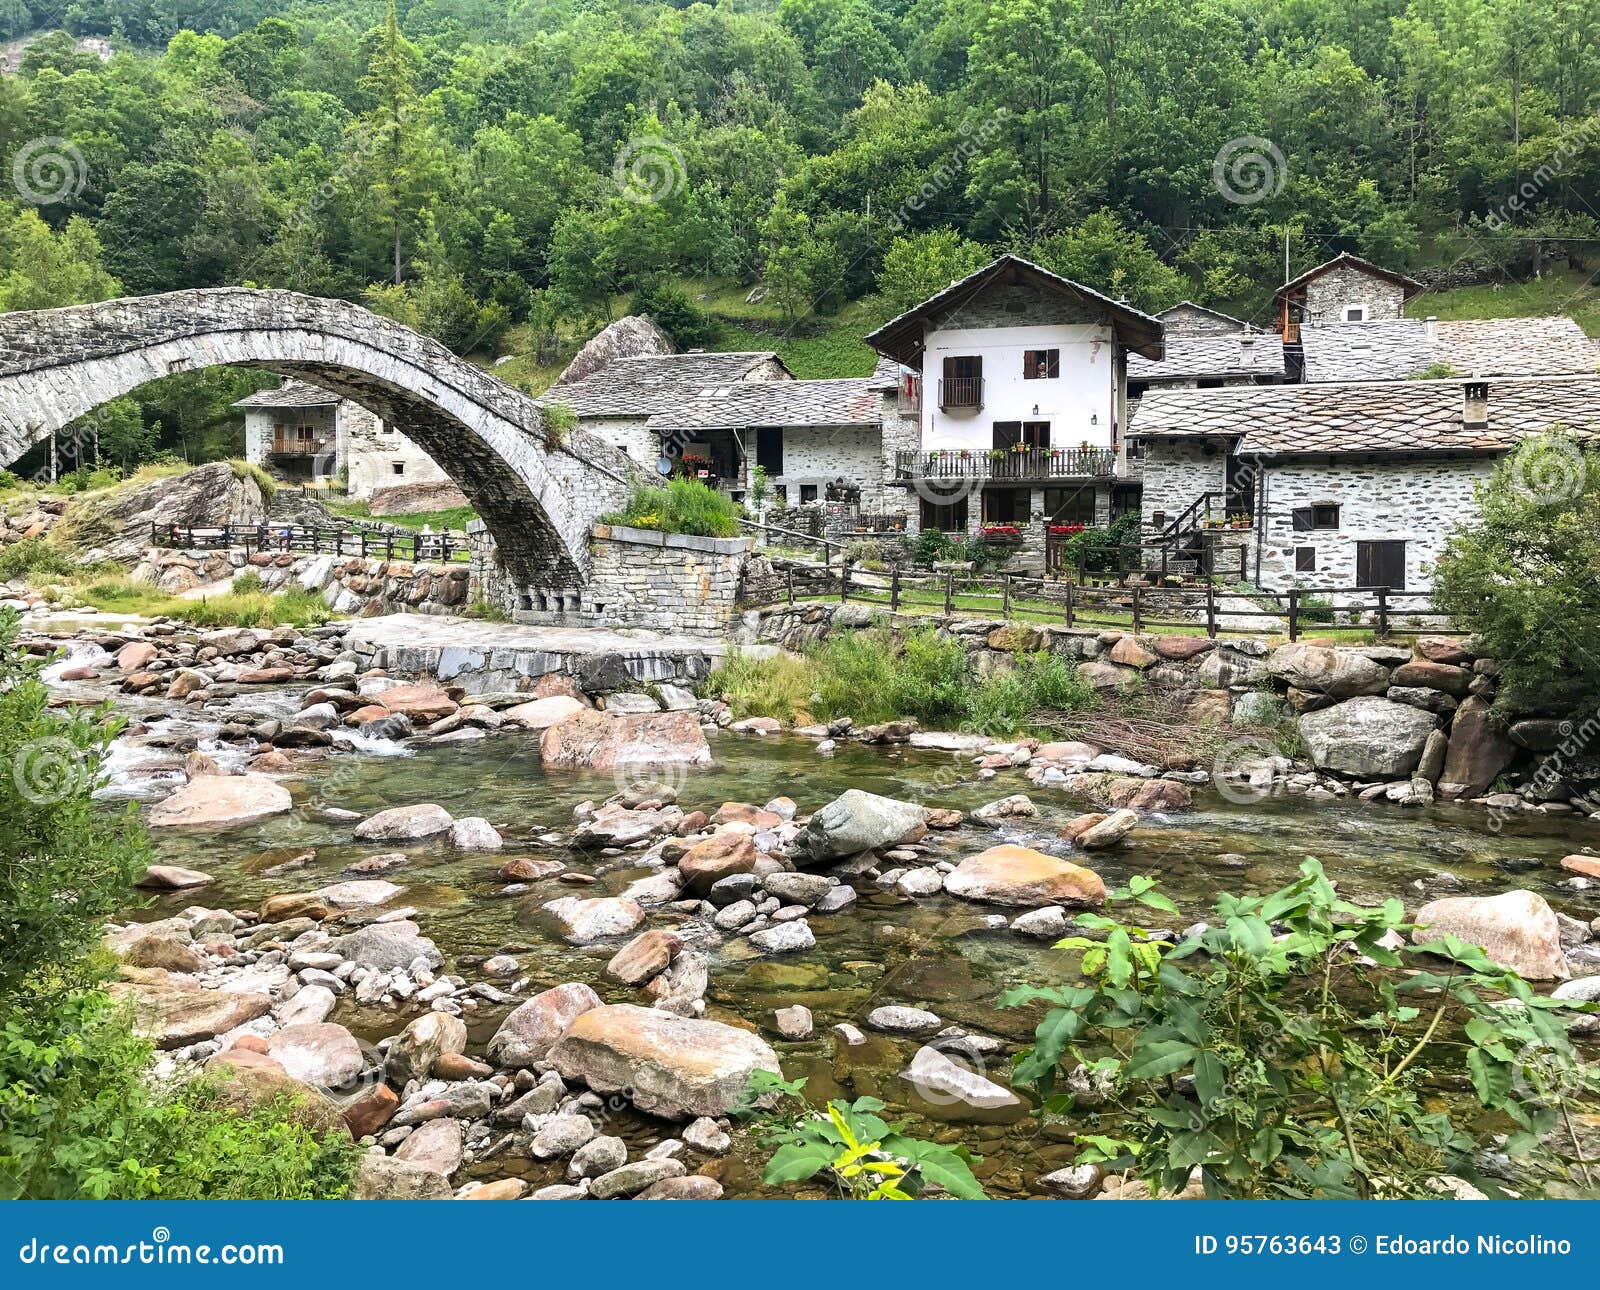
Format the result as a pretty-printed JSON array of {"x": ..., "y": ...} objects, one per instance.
[
  {"x": 1367, "y": 736},
  {"x": 676, "y": 1067},
  {"x": 1479, "y": 750},
  {"x": 409, "y": 499},
  {"x": 599, "y": 741},
  {"x": 116, "y": 525},
  {"x": 635, "y": 336},
  {"x": 216, "y": 801}
]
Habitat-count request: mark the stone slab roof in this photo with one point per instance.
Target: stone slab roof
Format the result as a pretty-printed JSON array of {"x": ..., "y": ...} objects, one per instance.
[
  {"x": 1223, "y": 354},
  {"x": 1187, "y": 314},
  {"x": 1386, "y": 419},
  {"x": 1346, "y": 260},
  {"x": 643, "y": 385},
  {"x": 291, "y": 394},
  {"x": 1399, "y": 349},
  {"x": 848, "y": 402}
]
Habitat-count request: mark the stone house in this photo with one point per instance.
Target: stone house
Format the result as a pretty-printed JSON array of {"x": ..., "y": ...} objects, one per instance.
[
  {"x": 1205, "y": 350},
  {"x": 1019, "y": 394},
  {"x": 1345, "y": 289},
  {"x": 1402, "y": 349},
  {"x": 1338, "y": 484},
  {"x": 306, "y": 434}
]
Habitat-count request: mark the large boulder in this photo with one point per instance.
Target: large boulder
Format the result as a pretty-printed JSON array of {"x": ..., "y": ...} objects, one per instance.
[
  {"x": 423, "y": 702},
  {"x": 405, "y": 823},
  {"x": 529, "y": 1030},
  {"x": 1013, "y": 875},
  {"x": 1337, "y": 673},
  {"x": 1480, "y": 748},
  {"x": 604, "y": 741},
  {"x": 387, "y": 947},
  {"x": 388, "y": 1178},
  {"x": 856, "y": 821},
  {"x": 585, "y": 921},
  {"x": 116, "y": 524},
  {"x": 541, "y": 714},
  {"x": 419, "y": 1046},
  {"x": 719, "y": 856},
  {"x": 249, "y": 1081},
  {"x": 677, "y": 1067},
  {"x": 1516, "y": 929},
  {"x": 322, "y": 1054},
  {"x": 635, "y": 336},
  {"x": 215, "y": 801},
  {"x": 175, "y": 1016},
  {"x": 1367, "y": 737}
]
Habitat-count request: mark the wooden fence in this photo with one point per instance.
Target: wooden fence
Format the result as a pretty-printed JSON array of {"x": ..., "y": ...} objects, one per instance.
[
  {"x": 1300, "y": 612},
  {"x": 418, "y": 548}
]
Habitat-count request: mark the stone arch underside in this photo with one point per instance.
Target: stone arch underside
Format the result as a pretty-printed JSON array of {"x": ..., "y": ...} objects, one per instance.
[{"x": 538, "y": 500}]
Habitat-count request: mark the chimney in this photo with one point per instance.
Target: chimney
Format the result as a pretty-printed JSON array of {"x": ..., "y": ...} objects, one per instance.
[
  {"x": 1475, "y": 405},
  {"x": 1430, "y": 325}
]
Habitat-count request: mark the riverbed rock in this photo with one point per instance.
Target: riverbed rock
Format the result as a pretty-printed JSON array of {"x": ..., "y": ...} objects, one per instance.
[
  {"x": 896, "y": 1019},
  {"x": 633, "y": 1178},
  {"x": 215, "y": 801},
  {"x": 1019, "y": 806},
  {"x": 321, "y": 1054},
  {"x": 541, "y": 714},
  {"x": 597, "y": 1156},
  {"x": 1479, "y": 750},
  {"x": 1013, "y": 875},
  {"x": 175, "y": 1016},
  {"x": 676, "y": 1067},
  {"x": 405, "y": 823},
  {"x": 529, "y": 1031},
  {"x": 720, "y": 856},
  {"x": 387, "y": 947},
  {"x": 474, "y": 833},
  {"x": 250, "y": 1081},
  {"x": 171, "y": 877},
  {"x": 855, "y": 821},
  {"x": 561, "y": 1136},
  {"x": 689, "y": 1187},
  {"x": 359, "y": 893},
  {"x": 389, "y": 1178},
  {"x": 1109, "y": 831},
  {"x": 1367, "y": 737},
  {"x": 647, "y": 955},
  {"x": 784, "y": 938},
  {"x": 1427, "y": 675},
  {"x": 417, "y": 1049},
  {"x": 167, "y": 953},
  {"x": 585, "y": 921},
  {"x": 616, "y": 825},
  {"x": 940, "y": 1079},
  {"x": 795, "y": 1022},
  {"x": 1337, "y": 673},
  {"x": 1517, "y": 929},
  {"x": 603, "y": 741},
  {"x": 424, "y": 702}
]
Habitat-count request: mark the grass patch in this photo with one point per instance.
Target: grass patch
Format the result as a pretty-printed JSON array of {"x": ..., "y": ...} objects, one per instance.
[
  {"x": 33, "y": 558},
  {"x": 873, "y": 676},
  {"x": 679, "y": 506},
  {"x": 1569, "y": 291},
  {"x": 248, "y": 604},
  {"x": 243, "y": 470}
]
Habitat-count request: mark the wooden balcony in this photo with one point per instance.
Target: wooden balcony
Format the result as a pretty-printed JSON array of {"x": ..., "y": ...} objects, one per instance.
[
  {"x": 290, "y": 446},
  {"x": 1033, "y": 464},
  {"x": 961, "y": 392}
]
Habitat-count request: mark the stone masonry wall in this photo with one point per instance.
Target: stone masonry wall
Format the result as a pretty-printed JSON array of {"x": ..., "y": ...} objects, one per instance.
[
  {"x": 1418, "y": 503},
  {"x": 360, "y": 588},
  {"x": 1327, "y": 295},
  {"x": 1177, "y": 472}
]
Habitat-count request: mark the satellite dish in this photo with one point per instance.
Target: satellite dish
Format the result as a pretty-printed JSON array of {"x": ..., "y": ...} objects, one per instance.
[{"x": 664, "y": 465}]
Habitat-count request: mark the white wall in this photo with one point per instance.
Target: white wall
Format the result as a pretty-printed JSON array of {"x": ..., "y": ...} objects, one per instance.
[
  {"x": 370, "y": 450},
  {"x": 1083, "y": 390}
]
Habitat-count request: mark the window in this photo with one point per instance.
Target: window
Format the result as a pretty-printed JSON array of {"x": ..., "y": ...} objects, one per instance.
[
  {"x": 808, "y": 492},
  {"x": 1005, "y": 506},
  {"x": 1324, "y": 515},
  {"x": 399, "y": 467},
  {"x": 1305, "y": 559},
  {"x": 1208, "y": 383},
  {"x": 1136, "y": 389},
  {"x": 1355, "y": 313},
  {"x": 1031, "y": 434},
  {"x": 781, "y": 492},
  {"x": 769, "y": 451},
  {"x": 945, "y": 519},
  {"x": 1069, "y": 505},
  {"x": 1041, "y": 364}
]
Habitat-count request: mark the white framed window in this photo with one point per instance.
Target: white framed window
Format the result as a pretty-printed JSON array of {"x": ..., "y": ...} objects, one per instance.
[{"x": 1355, "y": 313}]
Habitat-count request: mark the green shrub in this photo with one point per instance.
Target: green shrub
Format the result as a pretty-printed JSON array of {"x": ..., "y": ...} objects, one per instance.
[
  {"x": 1270, "y": 1053},
  {"x": 33, "y": 558},
  {"x": 855, "y": 673},
  {"x": 679, "y": 505},
  {"x": 9, "y": 482},
  {"x": 255, "y": 608},
  {"x": 1098, "y": 546},
  {"x": 779, "y": 687},
  {"x": 670, "y": 309}
]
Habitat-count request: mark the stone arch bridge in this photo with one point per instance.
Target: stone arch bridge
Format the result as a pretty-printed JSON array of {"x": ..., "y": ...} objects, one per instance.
[{"x": 538, "y": 494}]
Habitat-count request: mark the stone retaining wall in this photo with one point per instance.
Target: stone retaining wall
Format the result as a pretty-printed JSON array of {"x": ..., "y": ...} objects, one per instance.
[{"x": 1405, "y": 723}]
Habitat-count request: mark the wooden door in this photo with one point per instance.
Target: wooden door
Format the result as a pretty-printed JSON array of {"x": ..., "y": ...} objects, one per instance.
[{"x": 1381, "y": 564}]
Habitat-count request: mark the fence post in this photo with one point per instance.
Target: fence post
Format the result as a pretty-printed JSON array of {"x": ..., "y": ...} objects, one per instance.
[
  {"x": 1383, "y": 613},
  {"x": 1163, "y": 564},
  {"x": 1069, "y": 604},
  {"x": 949, "y": 588},
  {"x": 844, "y": 582},
  {"x": 1211, "y": 609},
  {"x": 894, "y": 590},
  {"x": 789, "y": 577},
  {"x": 1294, "y": 613},
  {"x": 1005, "y": 595},
  {"x": 1138, "y": 614}
]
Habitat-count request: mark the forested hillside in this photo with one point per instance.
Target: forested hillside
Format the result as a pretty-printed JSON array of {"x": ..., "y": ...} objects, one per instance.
[{"x": 505, "y": 174}]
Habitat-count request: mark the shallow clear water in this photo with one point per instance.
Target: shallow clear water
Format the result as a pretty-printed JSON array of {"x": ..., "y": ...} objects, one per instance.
[{"x": 931, "y": 952}]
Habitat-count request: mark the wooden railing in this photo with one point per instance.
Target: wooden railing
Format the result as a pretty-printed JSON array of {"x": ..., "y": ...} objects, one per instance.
[
  {"x": 1154, "y": 562},
  {"x": 1034, "y": 463},
  {"x": 1209, "y": 609},
  {"x": 961, "y": 392},
  {"x": 418, "y": 548},
  {"x": 289, "y": 446}
]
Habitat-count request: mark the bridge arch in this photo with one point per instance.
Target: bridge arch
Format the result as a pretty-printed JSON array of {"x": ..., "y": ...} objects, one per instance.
[{"x": 537, "y": 497}]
